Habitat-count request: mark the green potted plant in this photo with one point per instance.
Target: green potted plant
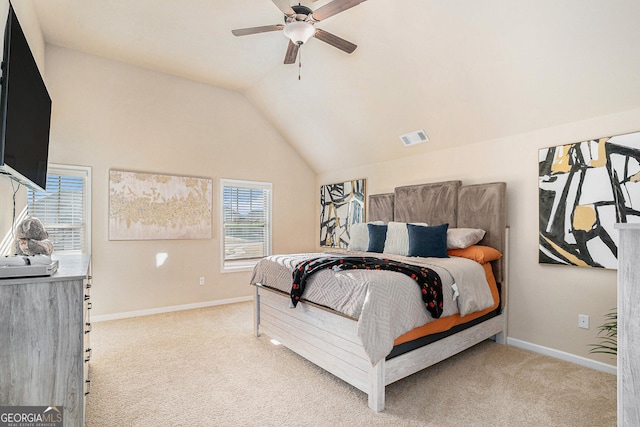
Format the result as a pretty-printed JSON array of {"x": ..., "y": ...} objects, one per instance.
[{"x": 608, "y": 331}]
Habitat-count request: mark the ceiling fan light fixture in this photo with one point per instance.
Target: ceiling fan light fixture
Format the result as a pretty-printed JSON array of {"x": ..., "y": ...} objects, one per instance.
[{"x": 299, "y": 31}]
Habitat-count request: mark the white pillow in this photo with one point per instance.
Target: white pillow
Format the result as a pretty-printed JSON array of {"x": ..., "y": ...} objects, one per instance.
[
  {"x": 397, "y": 242},
  {"x": 359, "y": 236},
  {"x": 460, "y": 238}
]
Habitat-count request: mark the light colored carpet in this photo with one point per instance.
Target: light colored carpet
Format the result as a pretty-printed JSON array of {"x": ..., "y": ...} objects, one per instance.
[{"x": 205, "y": 368}]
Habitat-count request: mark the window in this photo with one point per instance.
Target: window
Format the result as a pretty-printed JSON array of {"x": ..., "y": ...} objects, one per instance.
[
  {"x": 65, "y": 208},
  {"x": 246, "y": 222}
]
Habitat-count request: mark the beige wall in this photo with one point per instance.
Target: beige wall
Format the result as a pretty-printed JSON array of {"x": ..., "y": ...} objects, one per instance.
[
  {"x": 111, "y": 115},
  {"x": 544, "y": 301}
]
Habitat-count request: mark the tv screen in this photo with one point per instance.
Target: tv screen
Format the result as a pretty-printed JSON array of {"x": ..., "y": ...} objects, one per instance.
[{"x": 25, "y": 111}]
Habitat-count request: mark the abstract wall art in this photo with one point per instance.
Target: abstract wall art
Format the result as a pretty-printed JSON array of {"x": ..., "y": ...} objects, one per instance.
[
  {"x": 146, "y": 206},
  {"x": 341, "y": 205},
  {"x": 584, "y": 189}
]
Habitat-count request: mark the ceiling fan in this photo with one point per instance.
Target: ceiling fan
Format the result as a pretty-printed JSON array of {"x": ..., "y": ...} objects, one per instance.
[{"x": 299, "y": 26}]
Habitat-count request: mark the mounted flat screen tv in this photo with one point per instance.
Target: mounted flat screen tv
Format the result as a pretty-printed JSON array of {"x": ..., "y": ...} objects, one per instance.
[{"x": 25, "y": 111}]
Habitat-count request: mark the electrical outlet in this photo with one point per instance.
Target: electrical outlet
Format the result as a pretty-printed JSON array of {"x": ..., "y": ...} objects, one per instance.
[
  {"x": 583, "y": 321},
  {"x": 202, "y": 280}
]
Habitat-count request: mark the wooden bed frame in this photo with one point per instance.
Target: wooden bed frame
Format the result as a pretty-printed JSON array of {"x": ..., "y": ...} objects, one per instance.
[{"x": 329, "y": 340}]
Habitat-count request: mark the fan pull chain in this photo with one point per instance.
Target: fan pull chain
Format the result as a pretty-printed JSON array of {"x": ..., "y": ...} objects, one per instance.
[{"x": 299, "y": 62}]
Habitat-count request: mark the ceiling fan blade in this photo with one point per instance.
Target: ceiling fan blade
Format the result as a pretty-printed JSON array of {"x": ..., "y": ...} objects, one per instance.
[
  {"x": 336, "y": 6},
  {"x": 256, "y": 30},
  {"x": 292, "y": 53},
  {"x": 283, "y": 5},
  {"x": 335, "y": 41}
]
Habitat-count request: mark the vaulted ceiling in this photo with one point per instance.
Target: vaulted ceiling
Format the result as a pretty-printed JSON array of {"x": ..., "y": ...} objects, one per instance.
[{"x": 465, "y": 71}]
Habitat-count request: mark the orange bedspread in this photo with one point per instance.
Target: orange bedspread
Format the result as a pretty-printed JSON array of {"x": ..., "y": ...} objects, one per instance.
[{"x": 446, "y": 323}]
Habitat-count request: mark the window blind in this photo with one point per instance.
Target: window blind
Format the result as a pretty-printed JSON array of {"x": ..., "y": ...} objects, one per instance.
[
  {"x": 246, "y": 220},
  {"x": 62, "y": 209}
]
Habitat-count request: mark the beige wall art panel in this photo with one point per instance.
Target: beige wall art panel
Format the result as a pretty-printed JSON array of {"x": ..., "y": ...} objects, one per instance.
[{"x": 147, "y": 206}]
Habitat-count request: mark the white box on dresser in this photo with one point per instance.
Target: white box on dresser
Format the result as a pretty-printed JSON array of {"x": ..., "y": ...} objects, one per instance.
[
  {"x": 44, "y": 337},
  {"x": 629, "y": 325}
]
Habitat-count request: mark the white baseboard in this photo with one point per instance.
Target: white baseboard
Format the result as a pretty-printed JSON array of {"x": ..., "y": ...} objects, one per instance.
[
  {"x": 583, "y": 361},
  {"x": 125, "y": 315}
]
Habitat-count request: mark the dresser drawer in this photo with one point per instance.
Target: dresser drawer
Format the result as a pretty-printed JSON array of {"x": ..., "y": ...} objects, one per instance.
[
  {"x": 87, "y": 381},
  {"x": 87, "y": 319}
]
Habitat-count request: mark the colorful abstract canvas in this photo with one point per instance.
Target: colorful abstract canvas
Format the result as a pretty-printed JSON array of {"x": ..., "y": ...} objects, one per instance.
[
  {"x": 584, "y": 189},
  {"x": 341, "y": 205}
]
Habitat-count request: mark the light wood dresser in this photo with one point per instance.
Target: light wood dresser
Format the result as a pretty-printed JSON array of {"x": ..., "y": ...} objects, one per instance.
[
  {"x": 44, "y": 339},
  {"x": 629, "y": 325}
]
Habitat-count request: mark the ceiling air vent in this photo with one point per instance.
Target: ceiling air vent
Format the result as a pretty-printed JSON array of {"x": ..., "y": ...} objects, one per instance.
[{"x": 414, "y": 138}]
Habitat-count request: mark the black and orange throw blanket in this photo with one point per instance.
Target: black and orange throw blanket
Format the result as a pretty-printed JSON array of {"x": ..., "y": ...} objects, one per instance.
[{"x": 428, "y": 280}]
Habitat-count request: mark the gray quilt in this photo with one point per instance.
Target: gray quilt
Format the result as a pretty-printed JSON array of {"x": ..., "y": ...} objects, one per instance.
[{"x": 386, "y": 304}]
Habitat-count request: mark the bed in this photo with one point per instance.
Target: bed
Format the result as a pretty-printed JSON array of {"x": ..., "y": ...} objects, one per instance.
[{"x": 334, "y": 340}]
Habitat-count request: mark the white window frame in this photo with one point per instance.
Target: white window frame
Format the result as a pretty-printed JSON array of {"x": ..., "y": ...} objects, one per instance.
[
  {"x": 228, "y": 266},
  {"x": 84, "y": 172}
]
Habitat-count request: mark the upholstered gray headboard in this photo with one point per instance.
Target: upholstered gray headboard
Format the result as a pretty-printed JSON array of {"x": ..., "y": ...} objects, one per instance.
[{"x": 464, "y": 206}]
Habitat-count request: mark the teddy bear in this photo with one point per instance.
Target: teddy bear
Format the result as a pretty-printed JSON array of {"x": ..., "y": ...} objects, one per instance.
[{"x": 31, "y": 238}]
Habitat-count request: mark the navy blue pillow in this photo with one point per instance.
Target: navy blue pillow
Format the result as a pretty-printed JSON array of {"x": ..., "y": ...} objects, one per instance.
[
  {"x": 377, "y": 237},
  {"x": 428, "y": 241}
]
